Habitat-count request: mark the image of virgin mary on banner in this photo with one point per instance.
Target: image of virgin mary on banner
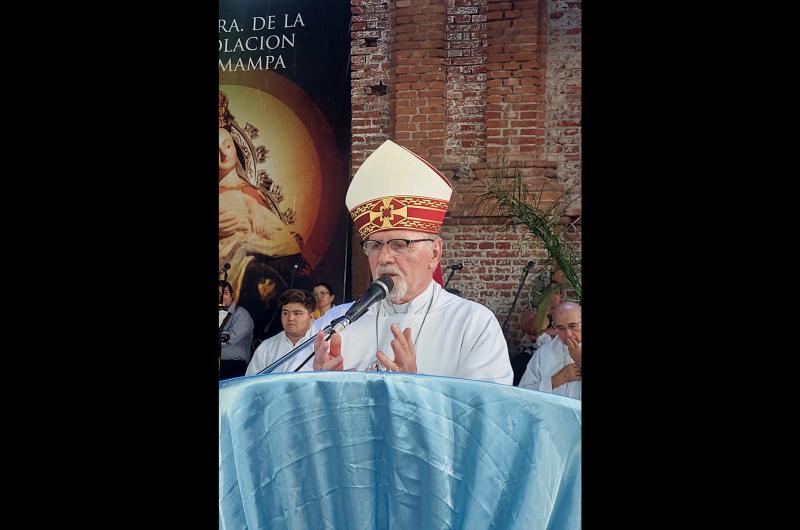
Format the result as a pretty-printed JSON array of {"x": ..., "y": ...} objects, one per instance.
[{"x": 284, "y": 144}]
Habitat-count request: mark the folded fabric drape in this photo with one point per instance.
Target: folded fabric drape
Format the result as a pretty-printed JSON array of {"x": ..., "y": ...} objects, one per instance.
[{"x": 325, "y": 450}]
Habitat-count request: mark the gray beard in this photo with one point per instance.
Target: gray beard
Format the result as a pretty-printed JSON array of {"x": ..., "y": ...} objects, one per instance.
[
  {"x": 399, "y": 290},
  {"x": 400, "y": 286}
]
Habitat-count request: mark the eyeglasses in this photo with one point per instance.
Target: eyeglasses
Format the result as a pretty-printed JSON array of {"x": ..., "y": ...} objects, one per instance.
[
  {"x": 320, "y": 293},
  {"x": 396, "y": 246},
  {"x": 572, "y": 326}
]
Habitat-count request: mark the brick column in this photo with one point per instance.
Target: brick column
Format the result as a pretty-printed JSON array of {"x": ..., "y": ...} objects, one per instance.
[
  {"x": 563, "y": 97},
  {"x": 515, "y": 101},
  {"x": 419, "y": 53},
  {"x": 466, "y": 81},
  {"x": 372, "y": 102}
]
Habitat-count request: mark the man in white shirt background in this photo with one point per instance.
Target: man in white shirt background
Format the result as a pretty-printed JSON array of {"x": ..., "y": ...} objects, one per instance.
[
  {"x": 296, "y": 308},
  {"x": 556, "y": 366}
]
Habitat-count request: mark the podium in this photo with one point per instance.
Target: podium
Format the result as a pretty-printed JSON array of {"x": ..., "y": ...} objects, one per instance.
[{"x": 377, "y": 450}]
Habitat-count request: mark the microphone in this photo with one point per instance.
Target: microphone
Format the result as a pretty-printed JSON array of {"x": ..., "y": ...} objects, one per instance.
[
  {"x": 456, "y": 266},
  {"x": 529, "y": 266},
  {"x": 379, "y": 290}
]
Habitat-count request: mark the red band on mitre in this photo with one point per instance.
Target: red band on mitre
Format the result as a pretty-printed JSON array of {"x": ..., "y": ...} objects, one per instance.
[{"x": 421, "y": 214}]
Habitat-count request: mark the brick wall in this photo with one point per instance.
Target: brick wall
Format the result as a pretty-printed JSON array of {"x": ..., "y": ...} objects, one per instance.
[
  {"x": 466, "y": 82},
  {"x": 515, "y": 96},
  {"x": 563, "y": 93},
  {"x": 371, "y": 77},
  {"x": 419, "y": 58},
  {"x": 470, "y": 85}
]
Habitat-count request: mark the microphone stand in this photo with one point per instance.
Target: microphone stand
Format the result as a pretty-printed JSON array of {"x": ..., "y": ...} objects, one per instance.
[
  {"x": 327, "y": 330},
  {"x": 269, "y": 369},
  {"x": 379, "y": 289},
  {"x": 526, "y": 270},
  {"x": 452, "y": 271}
]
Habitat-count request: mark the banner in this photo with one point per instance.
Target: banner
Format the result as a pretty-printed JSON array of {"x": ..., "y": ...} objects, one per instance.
[{"x": 284, "y": 131}]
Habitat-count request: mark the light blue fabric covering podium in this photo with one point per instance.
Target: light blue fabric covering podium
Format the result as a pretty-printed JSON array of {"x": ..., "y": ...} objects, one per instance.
[{"x": 355, "y": 450}]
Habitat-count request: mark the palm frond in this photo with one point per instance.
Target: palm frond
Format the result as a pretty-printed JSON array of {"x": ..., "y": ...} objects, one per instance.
[{"x": 507, "y": 196}]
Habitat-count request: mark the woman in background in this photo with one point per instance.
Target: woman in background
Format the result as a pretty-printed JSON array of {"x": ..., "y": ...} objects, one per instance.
[{"x": 323, "y": 294}]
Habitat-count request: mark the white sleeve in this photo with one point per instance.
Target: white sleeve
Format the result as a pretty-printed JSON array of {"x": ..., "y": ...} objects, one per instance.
[
  {"x": 543, "y": 339},
  {"x": 258, "y": 362},
  {"x": 532, "y": 378},
  {"x": 487, "y": 358}
]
